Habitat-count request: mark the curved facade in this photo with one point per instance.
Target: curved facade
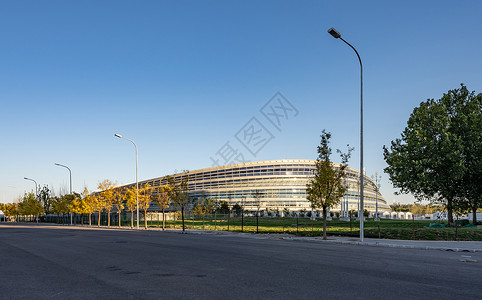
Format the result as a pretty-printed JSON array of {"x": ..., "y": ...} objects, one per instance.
[{"x": 281, "y": 183}]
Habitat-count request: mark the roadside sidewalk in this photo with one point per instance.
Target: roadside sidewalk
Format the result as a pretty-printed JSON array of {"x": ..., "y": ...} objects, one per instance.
[{"x": 456, "y": 246}]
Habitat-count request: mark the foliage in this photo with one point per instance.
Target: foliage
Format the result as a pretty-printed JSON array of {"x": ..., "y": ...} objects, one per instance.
[
  {"x": 60, "y": 205},
  {"x": 416, "y": 208},
  {"x": 44, "y": 198},
  {"x": 438, "y": 155},
  {"x": 77, "y": 205},
  {"x": 180, "y": 197},
  {"x": 224, "y": 208},
  {"x": 326, "y": 188},
  {"x": 107, "y": 196},
  {"x": 118, "y": 203},
  {"x": 10, "y": 209},
  {"x": 90, "y": 204},
  {"x": 130, "y": 198},
  {"x": 163, "y": 199},
  {"x": 30, "y": 205},
  {"x": 237, "y": 209},
  {"x": 145, "y": 200}
]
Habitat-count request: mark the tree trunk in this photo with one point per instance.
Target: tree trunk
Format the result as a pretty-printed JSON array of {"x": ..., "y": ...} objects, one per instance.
[
  {"x": 145, "y": 219},
  {"x": 98, "y": 219},
  {"x": 450, "y": 216},
  {"x": 182, "y": 215},
  {"x": 163, "y": 219},
  {"x": 90, "y": 220},
  {"x": 324, "y": 222},
  {"x": 108, "y": 218},
  {"x": 119, "y": 219},
  {"x": 132, "y": 219},
  {"x": 474, "y": 215}
]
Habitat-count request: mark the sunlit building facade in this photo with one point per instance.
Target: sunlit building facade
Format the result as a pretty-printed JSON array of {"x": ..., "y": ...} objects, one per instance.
[{"x": 269, "y": 185}]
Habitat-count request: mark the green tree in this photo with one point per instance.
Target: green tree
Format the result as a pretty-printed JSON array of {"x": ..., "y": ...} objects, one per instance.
[
  {"x": 237, "y": 209},
  {"x": 326, "y": 188},
  {"x": 44, "y": 198},
  {"x": 224, "y": 207},
  {"x": 30, "y": 205},
  {"x": 60, "y": 205},
  {"x": 438, "y": 155}
]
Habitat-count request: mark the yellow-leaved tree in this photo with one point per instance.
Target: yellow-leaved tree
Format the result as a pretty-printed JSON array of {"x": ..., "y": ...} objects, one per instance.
[
  {"x": 145, "y": 200},
  {"x": 90, "y": 206},
  {"x": 107, "y": 195},
  {"x": 163, "y": 199},
  {"x": 130, "y": 198},
  {"x": 118, "y": 202}
]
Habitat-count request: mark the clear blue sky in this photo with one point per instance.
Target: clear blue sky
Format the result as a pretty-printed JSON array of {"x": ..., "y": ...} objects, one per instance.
[{"x": 181, "y": 78}]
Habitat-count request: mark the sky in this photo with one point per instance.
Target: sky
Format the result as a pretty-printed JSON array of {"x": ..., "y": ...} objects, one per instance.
[{"x": 183, "y": 79}]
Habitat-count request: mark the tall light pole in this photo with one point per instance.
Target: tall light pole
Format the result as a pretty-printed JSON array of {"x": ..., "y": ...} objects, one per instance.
[
  {"x": 378, "y": 178},
  {"x": 70, "y": 173},
  {"x": 36, "y": 192},
  {"x": 337, "y": 35},
  {"x": 137, "y": 181}
]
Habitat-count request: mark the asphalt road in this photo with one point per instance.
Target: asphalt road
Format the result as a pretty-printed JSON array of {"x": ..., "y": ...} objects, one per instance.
[{"x": 49, "y": 262}]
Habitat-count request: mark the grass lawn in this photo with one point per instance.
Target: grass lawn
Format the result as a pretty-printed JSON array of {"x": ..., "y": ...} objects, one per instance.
[{"x": 389, "y": 229}]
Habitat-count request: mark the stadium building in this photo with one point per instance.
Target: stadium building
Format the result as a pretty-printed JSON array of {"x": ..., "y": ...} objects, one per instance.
[{"x": 280, "y": 184}]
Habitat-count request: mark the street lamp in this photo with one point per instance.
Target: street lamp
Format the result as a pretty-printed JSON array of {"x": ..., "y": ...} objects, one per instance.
[
  {"x": 70, "y": 173},
  {"x": 137, "y": 181},
  {"x": 36, "y": 192},
  {"x": 337, "y": 35},
  {"x": 377, "y": 188}
]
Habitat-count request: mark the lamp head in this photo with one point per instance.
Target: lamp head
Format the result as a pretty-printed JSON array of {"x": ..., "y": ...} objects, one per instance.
[
  {"x": 57, "y": 164},
  {"x": 334, "y": 33},
  {"x": 25, "y": 178},
  {"x": 118, "y": 135}
]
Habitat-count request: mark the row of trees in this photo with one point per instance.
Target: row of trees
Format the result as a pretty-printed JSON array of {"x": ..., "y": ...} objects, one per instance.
[{"x": 110, "y": 199}]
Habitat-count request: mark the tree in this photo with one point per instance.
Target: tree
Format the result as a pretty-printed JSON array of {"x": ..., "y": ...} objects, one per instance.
[
  {"x": 237, "y": 209},
  {"x": 326, "y": 188},
  {"x": 130, "y": 198},
  {"x": 60, "y": 205},
  {"x": 44, "y": 198},
  {"x": 118, "y": 202},
  {"x": 30, "y": 205},
  {"x": 180, "y": 197},
  {"x": 97, "y": 206},
  {"x": 224, "y": 207},
  {"x": 10, "y": 210},
  {"x": 438, "y": 155},
  {"x": 90, "y": 205},
  {"x": 163, "y": 199},
  {"x": 145, "y": 200},
  {"x": 76, "y": 205},
  {"x": 107, "y": 196}
]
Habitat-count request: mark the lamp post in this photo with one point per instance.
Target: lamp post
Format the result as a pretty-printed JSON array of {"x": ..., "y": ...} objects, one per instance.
[
  {"x": 70, "y": 176},
  {"x": 337, "y": 35},
  {"x": 137, "y": 181},
  {"x": 36, "y": 192},
  {"x": 377, "y": 188}
]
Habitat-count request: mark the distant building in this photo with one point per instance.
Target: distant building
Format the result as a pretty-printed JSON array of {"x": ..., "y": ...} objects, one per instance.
[{"x": 281, "y": 183}]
